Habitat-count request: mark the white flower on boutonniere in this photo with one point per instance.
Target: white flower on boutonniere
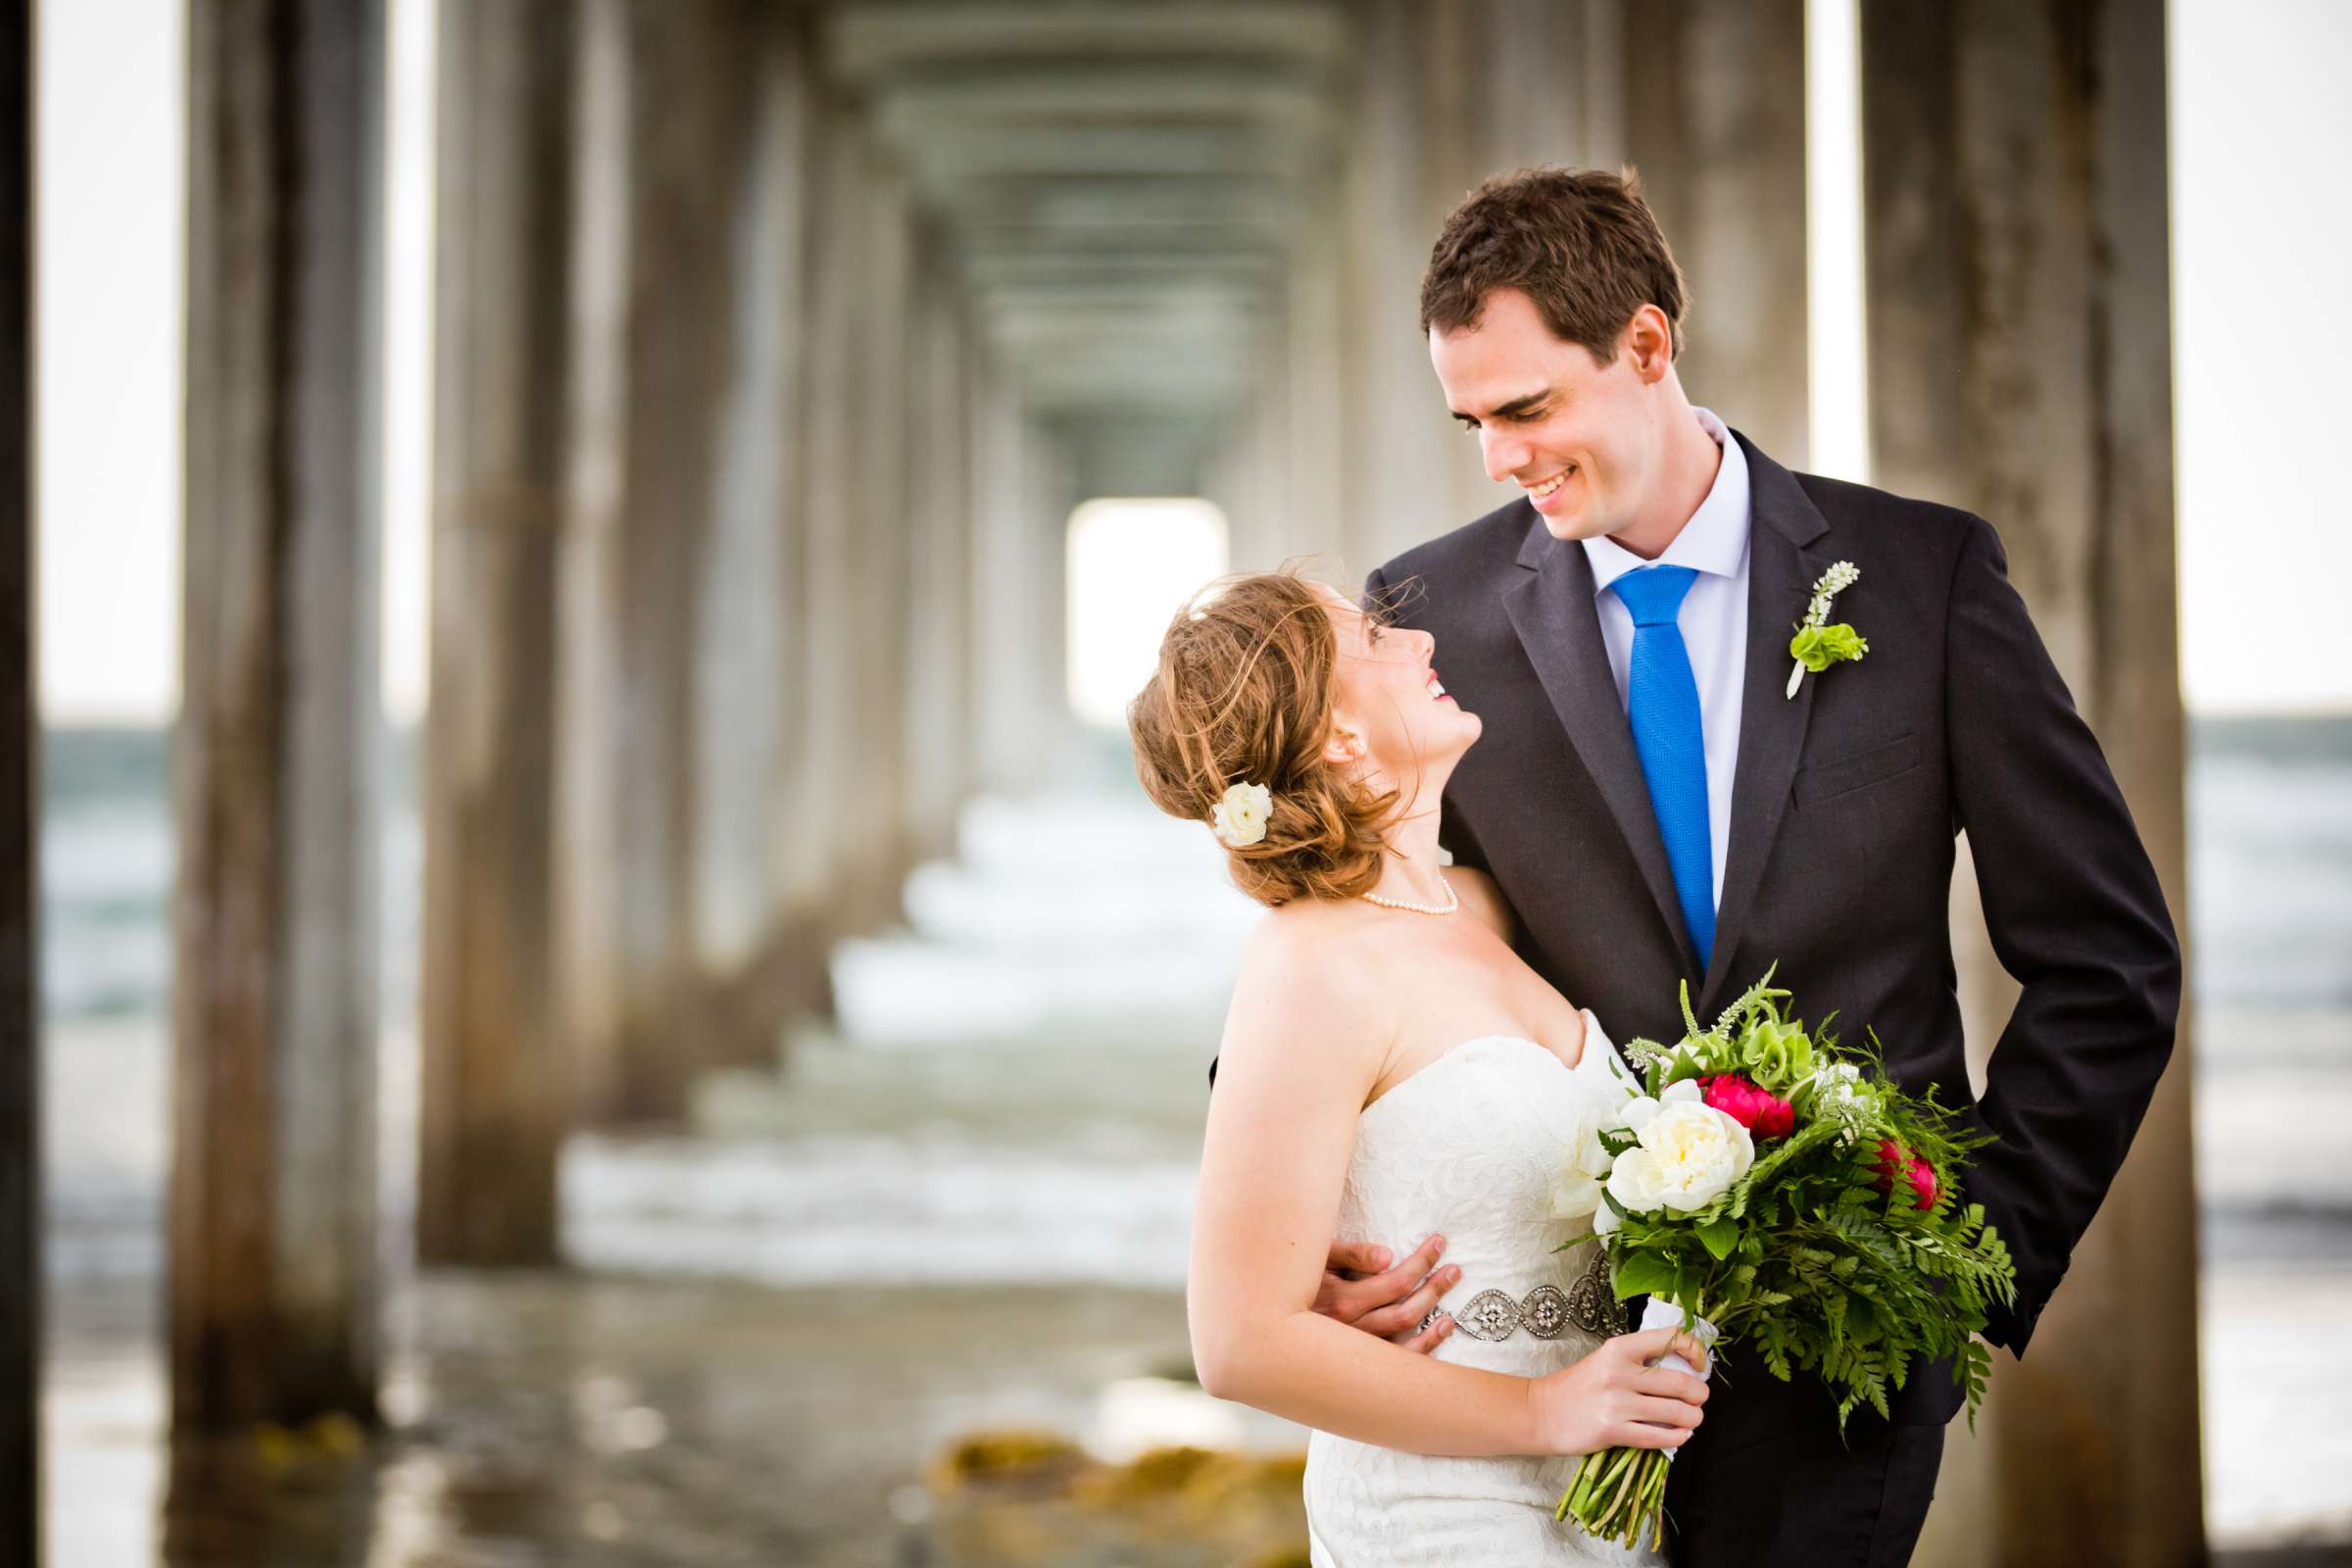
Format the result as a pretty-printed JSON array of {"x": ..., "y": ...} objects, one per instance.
[
  {"x": 1817, "y": 646},
  {"x": 1241, "y": 816}
]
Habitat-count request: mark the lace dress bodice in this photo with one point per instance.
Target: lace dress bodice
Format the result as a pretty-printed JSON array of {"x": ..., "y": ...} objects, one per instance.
[{"x": 1467, "y": 1149}]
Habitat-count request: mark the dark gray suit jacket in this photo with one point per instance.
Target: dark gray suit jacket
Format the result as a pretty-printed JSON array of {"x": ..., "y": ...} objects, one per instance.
[{"x": 1845, "y": 808}]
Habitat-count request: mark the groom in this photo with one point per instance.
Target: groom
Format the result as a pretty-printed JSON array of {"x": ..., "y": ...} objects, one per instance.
[{"x": 1657, "y": 806}]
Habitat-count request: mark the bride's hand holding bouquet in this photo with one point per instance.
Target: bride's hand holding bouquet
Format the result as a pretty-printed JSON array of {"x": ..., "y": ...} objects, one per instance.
[{"x": 1614, "y": 1396}]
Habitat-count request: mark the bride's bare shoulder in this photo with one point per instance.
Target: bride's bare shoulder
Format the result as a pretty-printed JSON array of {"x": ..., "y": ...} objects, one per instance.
[
  {"x": 1310, "y": 941},
  {"x": 1307, "y": 973}
]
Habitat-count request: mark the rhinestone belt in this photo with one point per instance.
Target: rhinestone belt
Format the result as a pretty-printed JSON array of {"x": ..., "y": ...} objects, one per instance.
[{"x": 1588, "y": 1304}]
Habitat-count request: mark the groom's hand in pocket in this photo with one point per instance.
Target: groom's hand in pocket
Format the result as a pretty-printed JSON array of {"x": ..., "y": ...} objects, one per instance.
[{"x": 1364, "y": 1289}]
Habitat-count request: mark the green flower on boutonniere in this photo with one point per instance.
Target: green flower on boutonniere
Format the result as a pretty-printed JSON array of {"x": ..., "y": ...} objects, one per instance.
[{"x": 1816, "y": 645}]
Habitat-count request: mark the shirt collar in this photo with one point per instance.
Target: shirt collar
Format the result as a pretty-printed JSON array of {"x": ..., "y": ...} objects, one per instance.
[{"x": 1713, "y": 541}]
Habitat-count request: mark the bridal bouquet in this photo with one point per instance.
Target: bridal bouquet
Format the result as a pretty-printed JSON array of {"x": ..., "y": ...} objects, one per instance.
[{"x": 1777, "y": 1191}]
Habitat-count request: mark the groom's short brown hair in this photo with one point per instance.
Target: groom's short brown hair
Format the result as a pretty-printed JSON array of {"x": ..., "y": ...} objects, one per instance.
[{"x": 1580, "y": 243}]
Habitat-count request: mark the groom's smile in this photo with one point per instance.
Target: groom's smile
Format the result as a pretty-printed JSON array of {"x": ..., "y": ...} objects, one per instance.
[{"x": 1546, "y": 496}]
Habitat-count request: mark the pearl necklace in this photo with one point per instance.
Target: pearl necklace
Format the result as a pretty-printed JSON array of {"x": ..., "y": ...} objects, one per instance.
[{"x": 1452, "y": 902}]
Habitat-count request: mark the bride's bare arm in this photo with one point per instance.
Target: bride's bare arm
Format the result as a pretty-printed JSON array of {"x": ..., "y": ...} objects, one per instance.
[{"x": 1303, "y": 1045}]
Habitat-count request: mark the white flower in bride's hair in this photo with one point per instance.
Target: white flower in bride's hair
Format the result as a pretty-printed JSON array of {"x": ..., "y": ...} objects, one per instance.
[{"x": 1241, "y": 816}]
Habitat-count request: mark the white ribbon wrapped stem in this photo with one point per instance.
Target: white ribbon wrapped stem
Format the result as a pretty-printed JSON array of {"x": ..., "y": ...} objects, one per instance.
[{"x": 1661, "y": 1313}]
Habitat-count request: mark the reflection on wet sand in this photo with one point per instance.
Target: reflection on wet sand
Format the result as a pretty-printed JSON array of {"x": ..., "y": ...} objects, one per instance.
[{"x": 559, "y": 1418}]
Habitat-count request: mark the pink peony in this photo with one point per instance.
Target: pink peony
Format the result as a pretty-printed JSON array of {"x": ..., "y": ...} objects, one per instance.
[
  {"x": 1895, "y": 1165},
  {"x": 1763, "y": 1115}
]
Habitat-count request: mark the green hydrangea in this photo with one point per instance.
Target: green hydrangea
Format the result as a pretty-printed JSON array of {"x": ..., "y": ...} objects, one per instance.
[{"x": 1817, "y": 648}]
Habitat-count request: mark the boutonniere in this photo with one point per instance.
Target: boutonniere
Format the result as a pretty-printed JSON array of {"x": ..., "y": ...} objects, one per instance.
[{"x": 1816, "y": 645}]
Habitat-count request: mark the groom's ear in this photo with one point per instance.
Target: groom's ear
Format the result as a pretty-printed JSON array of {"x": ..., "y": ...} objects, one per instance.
[{"x": 1649, "y": 344}]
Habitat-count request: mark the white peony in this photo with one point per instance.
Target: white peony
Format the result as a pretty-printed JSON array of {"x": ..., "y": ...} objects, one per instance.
[
  {"x": 1576, "y": 1181},
  {"x": 1241, "y": 816},
  {"x": 1639, "y": 1111},
  {"x": 1576, "y": 1185},
  {"x": 1688, "y": 1154}
]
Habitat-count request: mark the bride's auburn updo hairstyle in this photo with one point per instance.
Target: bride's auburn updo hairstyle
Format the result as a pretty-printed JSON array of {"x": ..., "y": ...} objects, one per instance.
[{"x": 1248, "y": 679}]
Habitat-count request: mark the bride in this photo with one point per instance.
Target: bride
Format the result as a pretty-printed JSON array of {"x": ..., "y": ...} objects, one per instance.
[{"x": 1389, "y": 1068}]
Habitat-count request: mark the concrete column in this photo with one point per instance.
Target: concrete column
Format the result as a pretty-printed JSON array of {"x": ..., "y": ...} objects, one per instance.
[
  {"x": 1314, "y": 393},
  {"x": 1255, "y": 447},
  {"x": 1715, "y": 123},
  {"x": 2019, "y": 363},
  {"x": 1446, "y": 94},
  {"x": 665, "y": 131},
  {"x": 942, "y": 518},
  {"x": 20, "y": 809},
  {"x": 1416, "y": 152},
  {"x": 828, "y": 814},
  {"x": 273, "y": 1222},
  {"x": 1010, "y": 612},
  {"x": 491, "y": 1118},
  {"x": 814, "y": 796},
  {"x": 851, "y": 841},
  {"x": 759, "y": 953},
  {"x": 1264, "y": 533},
  {"x": 888, "y": 450},
  {"x": 1545, "y": 88},
  {"x": 1050, "y": 494}
]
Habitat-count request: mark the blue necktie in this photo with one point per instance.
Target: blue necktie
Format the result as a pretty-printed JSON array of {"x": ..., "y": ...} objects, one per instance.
[{"x": 1662, "y": 703}]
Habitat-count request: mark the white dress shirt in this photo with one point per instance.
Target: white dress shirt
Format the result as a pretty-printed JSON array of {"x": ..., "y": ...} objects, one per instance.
[{"x": 1713, "y": 620}]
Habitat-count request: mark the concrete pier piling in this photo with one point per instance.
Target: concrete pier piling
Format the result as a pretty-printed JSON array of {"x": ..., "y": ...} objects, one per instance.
[
  {"x": 2020, "y": 365},
  {"x": 273, "y": 1219}
]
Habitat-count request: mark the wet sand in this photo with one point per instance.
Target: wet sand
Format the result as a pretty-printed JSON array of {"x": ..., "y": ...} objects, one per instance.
[{"x": 562, "y": 1418}]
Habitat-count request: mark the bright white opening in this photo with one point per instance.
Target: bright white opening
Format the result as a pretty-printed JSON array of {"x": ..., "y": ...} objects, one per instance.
[
  {"x": 1839, "y": 379},
  {"x": 1132, "y": 561},
  {"x": 2261, "y": 131}
]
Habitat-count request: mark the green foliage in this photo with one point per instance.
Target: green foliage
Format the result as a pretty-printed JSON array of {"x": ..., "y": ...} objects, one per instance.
[
  {"x": 1718, "y": 1237},
  {"x": 1817, "y": 648},
  {"x": 1805, "y": 1259}
]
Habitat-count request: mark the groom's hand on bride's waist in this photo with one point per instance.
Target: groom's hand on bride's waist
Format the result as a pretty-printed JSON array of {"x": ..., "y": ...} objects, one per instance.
[{"x": 1365, "y": 1287}]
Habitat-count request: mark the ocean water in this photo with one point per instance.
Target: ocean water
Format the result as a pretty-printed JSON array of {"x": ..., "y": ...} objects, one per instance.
[
  {"x": 108, "y": 857},
  {"x": 2270, "y": 815}
]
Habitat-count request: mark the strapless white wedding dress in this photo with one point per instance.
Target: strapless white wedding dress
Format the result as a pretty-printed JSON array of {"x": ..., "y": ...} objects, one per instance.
[{"x": 1467, "y": 1149}]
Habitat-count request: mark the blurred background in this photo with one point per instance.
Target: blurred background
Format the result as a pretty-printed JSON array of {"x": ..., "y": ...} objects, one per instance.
[{"x": 607, "y": 994}]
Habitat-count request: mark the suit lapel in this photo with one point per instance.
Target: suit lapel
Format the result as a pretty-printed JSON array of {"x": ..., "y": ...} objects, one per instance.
[
  {"x": 1552, "y": 608},
  {"x": 1787, "y": 555}
]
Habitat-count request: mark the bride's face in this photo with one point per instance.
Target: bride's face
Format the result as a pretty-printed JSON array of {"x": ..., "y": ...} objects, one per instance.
[{"x": 1394, "y": 718}]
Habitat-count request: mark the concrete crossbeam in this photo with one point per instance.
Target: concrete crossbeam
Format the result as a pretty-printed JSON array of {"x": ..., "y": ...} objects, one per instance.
[{"x": 869, "y": 43}]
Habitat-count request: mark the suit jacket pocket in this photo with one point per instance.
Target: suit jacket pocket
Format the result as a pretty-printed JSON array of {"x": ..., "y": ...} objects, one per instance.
[{"x": 1840, "y": 775}]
